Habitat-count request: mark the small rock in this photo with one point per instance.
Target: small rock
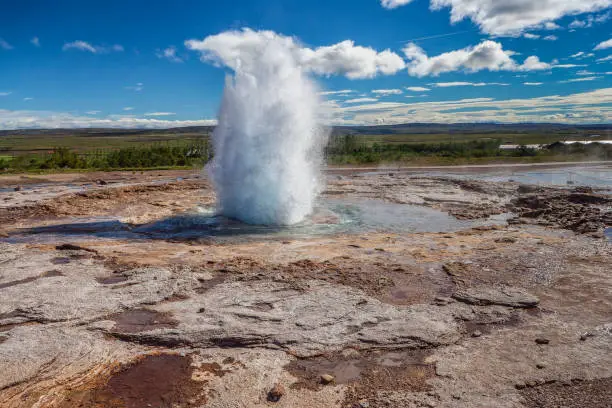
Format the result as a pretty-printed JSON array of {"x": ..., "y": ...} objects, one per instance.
[
  {"x": 457, "y": 396},
  {"x": 506, "y": 240},
  {"x": 201, "y": 310},
  {"x": 519, "y": 386},
  {"x": 101, "y": 182},
  {"x": 275, "y": 394},
  {"x": 477, "y": 333},
  {"x": 361, "y": 404},
  {"x": 585, "y": 336},
  {"x": 327, "y": 378},
  {"x": 540, "y": 365},
  {"x": 542, "y": 340}
]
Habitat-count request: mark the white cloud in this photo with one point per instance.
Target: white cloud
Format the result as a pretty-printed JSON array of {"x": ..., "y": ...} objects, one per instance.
[
  {"x": 550, "y": 38},
  {"x": 93, "y": 112},
  {"x": 27, "y": 99},
  {"x": 568, "y": 65},
  {"x": 29, "y": 119},
  {"x": 361, "y": 100},
  {"x": 488, "y": 55},
  {"x": 608, "y": 58},
  {"x": 5, "y": 45},
  {"x": 477, "y": 84},
  {"x": 385, "y": 92},
  {"x": 342, "y": 92},
  {"x": 35, "y": 41},
  {"x": 391, "y": 4},
  {"x": 532, "y": 83},
  {"x": 604, "y": 45},
  {"x": 231, "y": 48},
  {"x": 530, "y": 36},
  {"x": 584, "y": 79},
  {"x": 128, "y": 108},
  {"x": 582, "y": 55},
  {"x": 169, "y": 54},
  {"x": 160, "y": 114},
  {"x": 136, "y": 88},
  {"x": 94, "y": 49},
  {"x": 587, "y": 107},
  {"x": 584, "y": 72},
  {"x": 417, "y": 89},
  {"x": 512, "y": 17},
  {"x": 5, "y": 93},
  {"x": 590, "y": 21}
]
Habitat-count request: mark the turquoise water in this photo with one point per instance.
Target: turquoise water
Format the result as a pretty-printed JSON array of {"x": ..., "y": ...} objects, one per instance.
[{"x": 330, "y": 217}]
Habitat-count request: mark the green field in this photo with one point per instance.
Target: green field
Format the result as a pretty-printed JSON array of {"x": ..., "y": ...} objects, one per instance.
[{"x": 418, "y": 145}]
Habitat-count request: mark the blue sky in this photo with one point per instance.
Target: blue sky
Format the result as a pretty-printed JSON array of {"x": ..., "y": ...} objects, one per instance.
[{"x": 127, "y": 63}]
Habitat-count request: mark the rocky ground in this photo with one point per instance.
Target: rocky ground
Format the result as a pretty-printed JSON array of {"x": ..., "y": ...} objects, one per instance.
[{"x": 515, "y": 315}]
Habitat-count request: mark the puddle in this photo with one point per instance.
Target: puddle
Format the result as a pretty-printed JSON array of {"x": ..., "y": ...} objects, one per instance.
[
  {"x": 332, "y": 216},
  {"x": 608, "y": 233},
  {"x": 593, "y": 176},
  {"x": 347, "y": 370},
  {"x": 160, "y": 381},
  {"x": 141, "y": 320}
]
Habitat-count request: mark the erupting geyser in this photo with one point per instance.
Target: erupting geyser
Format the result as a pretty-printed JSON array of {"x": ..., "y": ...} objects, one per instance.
[{"x": 268, "y": 142}]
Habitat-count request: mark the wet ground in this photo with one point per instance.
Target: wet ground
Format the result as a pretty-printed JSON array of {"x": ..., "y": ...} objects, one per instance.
[{"x": 403, "y": 289}]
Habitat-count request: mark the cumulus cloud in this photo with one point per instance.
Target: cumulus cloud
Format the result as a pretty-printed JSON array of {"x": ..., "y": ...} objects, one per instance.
[
  {"x": 453, "y": 84},
  {"x": 550, "y": 38},
  {"x": 361, "y": 100},
  {"x": 5, "y": 45},
  {"x": 513, "y": 17},
  {"x": 94, "y": 49},
  {"x": 604, "y": 45},
  {"x": 35, "y": 42},
  {"x": 488, "y": 55},
  {"x": 391, "y": 4},
  {"x": 232, "y": 48},
  {"x": 385, "y": 92},
  {"x": 169, "y": 54},
  {"x": 417, "y": 89},
  {"x": 530, "y": 36}
]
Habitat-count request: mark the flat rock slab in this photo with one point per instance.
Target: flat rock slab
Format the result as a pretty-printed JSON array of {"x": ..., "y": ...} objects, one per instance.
[
  {"x": 488, "y": 295},
  {"x": 308, "y": 320}
]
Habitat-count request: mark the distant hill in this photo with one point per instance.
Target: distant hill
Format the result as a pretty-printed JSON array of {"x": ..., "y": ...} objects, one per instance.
[{"x": 409, "y": 128}]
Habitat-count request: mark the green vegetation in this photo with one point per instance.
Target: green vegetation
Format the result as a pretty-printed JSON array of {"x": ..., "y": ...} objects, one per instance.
[{"x": 104, "y": 149}]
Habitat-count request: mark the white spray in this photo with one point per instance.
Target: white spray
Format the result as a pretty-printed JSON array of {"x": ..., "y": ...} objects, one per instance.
[{"x": 268, "y": 142}]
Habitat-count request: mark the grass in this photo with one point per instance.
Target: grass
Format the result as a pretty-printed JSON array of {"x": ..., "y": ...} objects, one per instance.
[{"x": 131, "y": 150}]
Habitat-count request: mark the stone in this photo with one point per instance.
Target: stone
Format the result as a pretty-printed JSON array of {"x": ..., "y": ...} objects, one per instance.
[
  {"x": 540, "y": 365},
  {"x": 488, "y": 295},
  {"x": 327, "y": 378},
  {"x": 275, "y": 394},
  {"x": 477, "y": 333},
  {"x": 542, "y": 340}
]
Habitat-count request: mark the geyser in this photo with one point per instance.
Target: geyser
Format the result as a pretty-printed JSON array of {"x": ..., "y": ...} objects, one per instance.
[{"x": 268, "y": 142}]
